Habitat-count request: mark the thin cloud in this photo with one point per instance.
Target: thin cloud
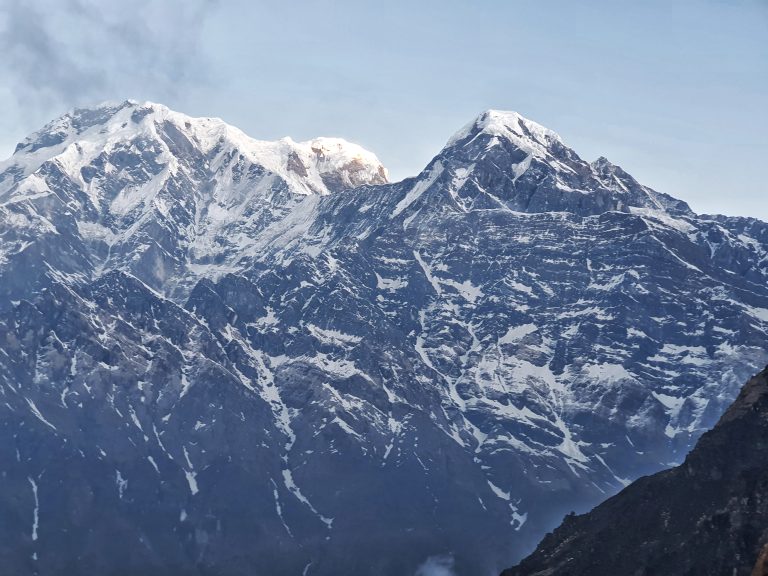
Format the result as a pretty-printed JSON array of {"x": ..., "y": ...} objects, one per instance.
[
  {"x": 437, "y": 566},
  {"x": 61, "y": 53},
  {"x": 36, "y": 63}
]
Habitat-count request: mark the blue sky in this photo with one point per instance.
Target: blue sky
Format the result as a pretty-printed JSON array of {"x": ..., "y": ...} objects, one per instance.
[{"x": 675, "y": 92}]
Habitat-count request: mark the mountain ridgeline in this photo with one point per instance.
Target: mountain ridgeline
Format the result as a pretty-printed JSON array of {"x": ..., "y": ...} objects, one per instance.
[
  {"x": 228, "y": 356},
  {"x": 707, "y": 517}
]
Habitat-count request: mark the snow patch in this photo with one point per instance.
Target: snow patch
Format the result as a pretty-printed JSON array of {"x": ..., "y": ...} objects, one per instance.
[
  {"x": 36, "y": 512},
  {"x": 293, "y": 489}
]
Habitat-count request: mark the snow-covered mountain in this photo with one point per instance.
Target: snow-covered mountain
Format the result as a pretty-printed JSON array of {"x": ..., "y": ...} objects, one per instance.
[
  {"x": 169, "y": 197},
  {"x": 706, "y": 516},
  {"x": 230, "y": 356}
]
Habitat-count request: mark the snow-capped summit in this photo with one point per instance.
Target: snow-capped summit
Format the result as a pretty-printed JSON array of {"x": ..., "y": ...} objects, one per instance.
[
  {"x": 502, "y": 159},
  {"x": 319, "y": 166},
  {"x": 168, "y": 195},
  {"x": 75, "y": 140},
  {"x": 526, "y": 134},
  {"x": 346, "y": 164}
]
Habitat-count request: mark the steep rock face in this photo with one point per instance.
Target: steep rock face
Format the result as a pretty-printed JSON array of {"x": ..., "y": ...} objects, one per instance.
[
  {"x": 242, "y": 361},
  {"x": 162, "y": 195},
  {"x": 707, "y": 516}
]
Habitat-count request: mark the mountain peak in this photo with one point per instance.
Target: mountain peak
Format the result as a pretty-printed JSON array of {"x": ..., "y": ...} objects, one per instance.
[
  {"x": 321, "y": 165},
  {"x": 526, "y": 134},
  {"x": 354, "y": 164},
  {"x": 107, "y": 119}
]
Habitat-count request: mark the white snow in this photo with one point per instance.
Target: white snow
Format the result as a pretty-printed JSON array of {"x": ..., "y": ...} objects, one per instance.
[
  {"x": 318, "y": 157},
  {"x": 671, "y": 403},
  {"x": 428, "y": 273},
  {"x": 692, "y": 355},
  {"x": 121, "y": 483},
  {"x": 279, "y": 508},
  {"x": 759, "y": 313},
  {"x": 246, "y": 173},
  {"x": 291, "y": 485},
  {"x": 154, "y": 464},
  {"x": 333, "y": 337},
  {"x": 654, "y": 217},
  {"x": 134, "y": 418},
  {"x": 38, "y": 414},
  {"x": 192, "y": 481},
  {"x": 390, "y": 284},
  {"x": 608, "y": 373},
  {"x": 518, "y": 519},
  {"x": 269, "y": 320},
  {"x": 515, "y": 333},
  {"x": 344, "y": 426},
  {"x": 498, "y": 491},
  {"x": 529, "y": 136},
  {"x": 466, "y": 289},
  {"x": 185, "y": 385},
  {"x": 418, "y": 189},
  {"x": 515, "y": 285},
  {"x": 36, "y": 514}
]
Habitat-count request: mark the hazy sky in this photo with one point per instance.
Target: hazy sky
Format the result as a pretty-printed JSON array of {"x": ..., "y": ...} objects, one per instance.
[{"x": 676, "y": 92}]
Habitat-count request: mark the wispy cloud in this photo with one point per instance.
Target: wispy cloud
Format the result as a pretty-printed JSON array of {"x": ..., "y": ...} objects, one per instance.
[
  {"x": 437, "y": 566},
  {"x": 60, "y": 53}
]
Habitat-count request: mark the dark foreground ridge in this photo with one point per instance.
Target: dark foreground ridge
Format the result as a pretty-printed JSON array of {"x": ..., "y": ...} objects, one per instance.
[{"x": 707, "y": 516}]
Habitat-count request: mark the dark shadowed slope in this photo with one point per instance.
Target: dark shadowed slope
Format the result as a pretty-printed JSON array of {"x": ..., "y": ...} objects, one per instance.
[{"x": 707, "y": 516}]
